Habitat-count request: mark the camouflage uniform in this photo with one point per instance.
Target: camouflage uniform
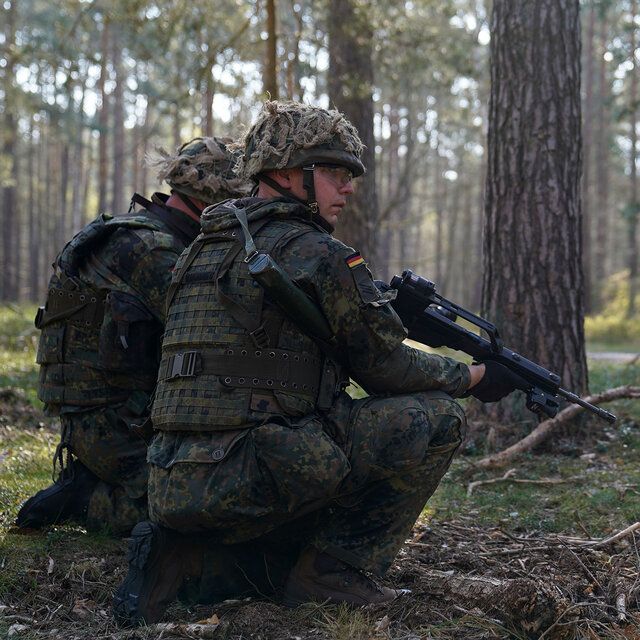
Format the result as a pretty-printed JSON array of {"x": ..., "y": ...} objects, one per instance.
[
  {"x": 264, "y": 473},
  {"x": 256, "y": 434},
  {"x": 101, "y": 328},
  {"x": 98, "y": 372}
]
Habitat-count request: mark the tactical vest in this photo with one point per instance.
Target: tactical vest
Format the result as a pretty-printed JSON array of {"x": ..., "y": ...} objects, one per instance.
[
  {"x": 97, "y": 346},
  {"x": 229, "y": 356}
]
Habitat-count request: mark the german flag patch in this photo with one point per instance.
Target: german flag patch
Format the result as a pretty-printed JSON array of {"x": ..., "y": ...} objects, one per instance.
[
  {"x": 368, "y": 291},
  {"x": 354, "y": 260}
]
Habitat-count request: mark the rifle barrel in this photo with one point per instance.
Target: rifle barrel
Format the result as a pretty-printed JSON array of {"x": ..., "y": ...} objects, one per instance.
[{"x": 572, "y": 397}]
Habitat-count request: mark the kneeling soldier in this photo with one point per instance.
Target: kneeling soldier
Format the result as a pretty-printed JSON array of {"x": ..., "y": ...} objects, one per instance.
[
  {"x": 100, "y": 345},
  {"x": 258, "y": 444}
]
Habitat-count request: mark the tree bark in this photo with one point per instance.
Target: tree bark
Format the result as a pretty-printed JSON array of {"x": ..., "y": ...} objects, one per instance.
[
  {"x": 350, "y": 85},
  {"x": 32, "y": 217},
  {"x": 533, "y": 287},
  {"x": 271, "y": 58},
  {"x": 119, "y": 156},
  {"x": 602, "y": 159},
  {"x": 587, "y": 144},
  {"x": 633, "y": 207},
  {"x": 9, "y": 213},
  {"x": 103, "y": 121}
]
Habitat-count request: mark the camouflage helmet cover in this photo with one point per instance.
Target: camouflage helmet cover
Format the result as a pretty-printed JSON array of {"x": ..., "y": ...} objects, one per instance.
[
  {"x": 202, "y": 168},
  {"x": 292, "y": 134}
]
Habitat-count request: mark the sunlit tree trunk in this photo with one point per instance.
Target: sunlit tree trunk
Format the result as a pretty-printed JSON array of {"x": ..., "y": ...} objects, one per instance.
[
  {"x": 103, "y": 121},
  {"x": 119, "y": 156},
  {"x": 208, "y": 103},
  {"x": 587, "y": 144},
  {"x": 533, "y": 285},
  {"x": 8, "y": 167},
  {"x": 350, "y": 83},
  {"x": 602, "y": 157},
  {"x": 294, "y": 91},
  {"x": 77, "y": 212},
  {"x": 633, "y": 206},
  {"x": 271, "y": 59}
]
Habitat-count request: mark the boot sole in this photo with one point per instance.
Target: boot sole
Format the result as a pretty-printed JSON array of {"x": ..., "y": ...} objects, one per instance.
[{"x": 128, "y": 603}]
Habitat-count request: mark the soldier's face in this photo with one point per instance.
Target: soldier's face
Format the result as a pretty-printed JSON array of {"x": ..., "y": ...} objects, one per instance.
[{"x": 333, "y": 186}]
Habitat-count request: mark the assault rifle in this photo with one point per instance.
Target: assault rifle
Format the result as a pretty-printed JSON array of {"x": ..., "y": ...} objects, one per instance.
[{"x": 431, "y": 320}]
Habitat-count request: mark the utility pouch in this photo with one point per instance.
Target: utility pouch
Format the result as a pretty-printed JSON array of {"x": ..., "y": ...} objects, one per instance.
[{"x": 128, "y": 336}]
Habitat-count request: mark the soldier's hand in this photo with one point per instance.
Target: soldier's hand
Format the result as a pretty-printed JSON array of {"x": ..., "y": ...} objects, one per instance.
[{"x": 496, "y": 383}]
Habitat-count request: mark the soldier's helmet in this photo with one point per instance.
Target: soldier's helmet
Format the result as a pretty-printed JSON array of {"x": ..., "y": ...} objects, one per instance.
[
  {"x": 290, "y": 134},
  {"x": 202, "y": 168}
]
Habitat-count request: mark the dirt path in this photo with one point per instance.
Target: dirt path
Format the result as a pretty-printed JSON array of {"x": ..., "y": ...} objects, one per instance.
[{"x": 619, "y": 357}]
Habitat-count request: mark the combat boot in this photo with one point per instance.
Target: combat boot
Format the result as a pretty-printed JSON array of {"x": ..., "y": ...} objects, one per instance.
[
  {"x": 320, "y": 577},
  {"x": 66, "y": 499},
  {"x": 160, "y": 560}
]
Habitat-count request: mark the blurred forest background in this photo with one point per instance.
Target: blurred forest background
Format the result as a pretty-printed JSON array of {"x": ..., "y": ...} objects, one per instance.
[{"x": 89, "y": 87}]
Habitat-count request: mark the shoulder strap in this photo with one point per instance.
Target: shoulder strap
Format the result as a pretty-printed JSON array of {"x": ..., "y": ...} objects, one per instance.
[
  {"x": 183, "y": 227},
  {"x": 194, "y": 250}
]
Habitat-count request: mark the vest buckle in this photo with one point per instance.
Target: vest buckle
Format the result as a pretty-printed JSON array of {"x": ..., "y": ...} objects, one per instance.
[
  {"x": 183, "y": 365},
  {"x": 260, "y": 337}
]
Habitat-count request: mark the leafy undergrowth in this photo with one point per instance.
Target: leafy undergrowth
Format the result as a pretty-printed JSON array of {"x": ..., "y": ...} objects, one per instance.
[{"x": 512, "y": 558}]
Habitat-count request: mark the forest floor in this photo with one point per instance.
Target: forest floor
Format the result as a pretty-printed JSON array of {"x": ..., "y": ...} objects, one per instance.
[{"x": 524, "y": 556}]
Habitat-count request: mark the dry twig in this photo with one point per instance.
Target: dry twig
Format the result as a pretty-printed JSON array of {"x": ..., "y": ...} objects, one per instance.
[
  {"x": 547, "y": 427},
  {"x": 508, "y": 477}
]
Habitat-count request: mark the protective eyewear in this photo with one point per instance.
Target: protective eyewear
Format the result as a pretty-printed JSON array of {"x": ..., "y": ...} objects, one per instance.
[{"x": 338, "y": 175}]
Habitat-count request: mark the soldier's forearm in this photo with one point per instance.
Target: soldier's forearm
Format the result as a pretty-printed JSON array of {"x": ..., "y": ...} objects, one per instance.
[{"x": 407, "y": 370}]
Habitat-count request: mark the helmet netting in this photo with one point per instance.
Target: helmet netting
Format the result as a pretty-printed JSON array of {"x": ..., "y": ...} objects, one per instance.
[{"x": 286, "y": 127}]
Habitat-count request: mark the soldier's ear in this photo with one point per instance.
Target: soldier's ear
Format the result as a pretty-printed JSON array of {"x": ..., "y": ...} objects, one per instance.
[{"x": 283, "y": 177}]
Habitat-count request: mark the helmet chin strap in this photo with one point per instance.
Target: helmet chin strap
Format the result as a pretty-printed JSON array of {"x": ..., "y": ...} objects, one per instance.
[{"x": 307, "y": 183}]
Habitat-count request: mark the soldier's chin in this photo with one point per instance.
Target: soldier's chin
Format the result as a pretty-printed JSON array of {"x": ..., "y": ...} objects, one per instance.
[{"x": 331, "y": 217}]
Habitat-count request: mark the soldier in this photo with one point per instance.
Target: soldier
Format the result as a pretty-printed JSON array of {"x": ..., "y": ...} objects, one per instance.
[
  {"x": 257, "y": 441},
  {"x": 100, "y": 343}
]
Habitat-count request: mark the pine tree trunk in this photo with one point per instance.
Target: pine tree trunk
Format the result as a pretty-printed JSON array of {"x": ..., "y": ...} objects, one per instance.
[
  {"x": 208, "y": 103},
  {"x": 9, "y": 212},
  {"x": 78, "y": 170},
  {"x": 62, "y": 229},
  {"x": 533, "y": 287},
  {"x": 632, "y": 210},
  {"x": 119, "y": 156},
  {"x": 271, "y": 57},
  {"x": 103, "y": 121},
  {"x": 32, "y": 217},
  {"x": 587, "y": 144},
  {"x": 350, "y": 84},
  {"x": 602, "y": 159}
]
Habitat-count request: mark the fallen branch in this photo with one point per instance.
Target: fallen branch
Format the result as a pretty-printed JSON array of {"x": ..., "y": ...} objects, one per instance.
[
  {"x": 188, "y": 630},
  {"x": 508, "y": 477},
  {"x": 614, "y": 538},
  {"x": 546, "y": 428}
]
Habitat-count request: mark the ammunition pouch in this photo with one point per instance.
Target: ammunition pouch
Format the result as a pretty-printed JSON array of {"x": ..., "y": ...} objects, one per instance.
[{"x": 129, "y": 336}]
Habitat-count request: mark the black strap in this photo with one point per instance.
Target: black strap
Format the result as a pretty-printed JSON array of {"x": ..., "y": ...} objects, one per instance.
[
  {"x": 274, "y": 369},
  {"x": 83, "y": 305},
  {"x": 183, "y": 227}
]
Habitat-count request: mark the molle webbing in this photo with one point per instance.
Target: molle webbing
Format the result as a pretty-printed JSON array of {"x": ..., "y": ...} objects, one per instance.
[
  {"x": 204, "y": 387},
  {"x": 269, "y": 369},
  {"x": 83, "y": 306}
]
